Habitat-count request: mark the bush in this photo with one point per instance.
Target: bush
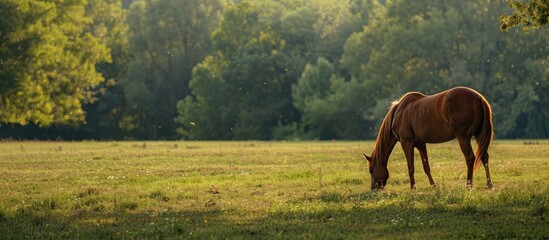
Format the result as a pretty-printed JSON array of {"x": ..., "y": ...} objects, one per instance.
[{"x": 290, "y": 132}]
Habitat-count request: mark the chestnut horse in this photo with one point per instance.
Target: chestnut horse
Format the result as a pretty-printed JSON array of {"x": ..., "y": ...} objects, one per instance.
[{"x": 417, "y": 119}]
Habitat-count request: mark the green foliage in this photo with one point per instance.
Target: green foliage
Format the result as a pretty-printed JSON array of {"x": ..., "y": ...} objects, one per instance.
[
  {"x": 313, "y": 84},
  {"x": 166, "y": 39},
  {"x": 105, "y": 117},
  {"x": 210, "y": 113},
  {"x": 261, "y": 48},
  {"x": 48, "y": 61},
  {"x": 431, "y": 46},
  {"x": 284, "y": 69},
  {"x": 532, "y": 15},
  {"x": 291, "y": 132},
  {"x": 324, "y": 100},
  {"x": 246, "y": 78}
]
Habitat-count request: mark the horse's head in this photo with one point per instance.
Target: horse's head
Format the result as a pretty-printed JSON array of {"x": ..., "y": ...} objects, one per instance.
[{"x": 378, "y": 173}]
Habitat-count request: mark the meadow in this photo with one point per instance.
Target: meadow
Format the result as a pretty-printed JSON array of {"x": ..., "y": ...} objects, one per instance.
[{"x": 266, "y": 190}]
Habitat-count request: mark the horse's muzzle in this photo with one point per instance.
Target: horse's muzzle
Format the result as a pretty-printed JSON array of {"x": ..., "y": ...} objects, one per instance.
[{"x": 378, "y": 185}]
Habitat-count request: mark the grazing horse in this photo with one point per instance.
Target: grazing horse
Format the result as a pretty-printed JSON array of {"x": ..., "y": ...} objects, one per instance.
[{"x": 417, "y": 119}]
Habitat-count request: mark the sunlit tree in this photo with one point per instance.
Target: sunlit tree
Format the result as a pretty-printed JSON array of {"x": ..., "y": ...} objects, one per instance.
[
  {"x": 531, "y": 14},
  {"x": 48, "y": 61}
]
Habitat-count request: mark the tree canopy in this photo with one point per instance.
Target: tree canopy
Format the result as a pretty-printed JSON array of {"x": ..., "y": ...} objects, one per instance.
[
  {"x": 48, "y": 61},
  {"x": 531, "y": 15},
  {"x": 269, "y": 69}
]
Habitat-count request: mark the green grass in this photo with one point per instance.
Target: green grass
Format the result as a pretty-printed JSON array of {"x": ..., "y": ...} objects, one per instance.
[{"x": 267, "y": 190}]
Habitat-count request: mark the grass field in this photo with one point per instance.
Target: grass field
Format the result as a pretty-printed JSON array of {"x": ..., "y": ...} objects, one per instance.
[{"x": 267, "y": 190}]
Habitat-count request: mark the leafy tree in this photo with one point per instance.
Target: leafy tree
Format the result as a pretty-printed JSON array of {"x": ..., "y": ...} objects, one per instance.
[
  {"x": 429, "y": 46},
  {"x": 313, "y": 84},
  {"x": 532, "y": 14},
  {"x": 314, "y": 29},
  {"x": 48, "y": 62},
  {"x": 248, "y": 79},
  {"x": 208, "y": 113},
  {"x": 166, "y": 38},
  {"x": 273, "y": 69},
  {"x": 105, "y": 118},
  {"x": 322, "y": 97},
  {"x": 262, "y": 47}
]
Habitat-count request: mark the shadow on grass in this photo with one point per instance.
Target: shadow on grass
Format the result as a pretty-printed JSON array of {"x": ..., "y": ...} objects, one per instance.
[
  {"x": 93, "y": 225},
  {"x": 327, "y": 215},
  {"x": 325, "y": 224}
]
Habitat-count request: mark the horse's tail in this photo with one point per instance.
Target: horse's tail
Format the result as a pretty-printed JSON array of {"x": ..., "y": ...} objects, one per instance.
[{"x": 485, "y": 134}]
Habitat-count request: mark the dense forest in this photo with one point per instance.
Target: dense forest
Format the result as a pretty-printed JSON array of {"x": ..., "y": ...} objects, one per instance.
[{"x": 263, "y": 69}]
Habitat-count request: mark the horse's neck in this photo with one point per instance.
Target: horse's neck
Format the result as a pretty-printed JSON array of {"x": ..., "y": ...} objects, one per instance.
[{"x": 385, "y": 144}]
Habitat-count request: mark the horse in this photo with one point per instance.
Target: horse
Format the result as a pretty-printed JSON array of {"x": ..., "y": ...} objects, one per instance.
[{"x": 416, "y": 119}]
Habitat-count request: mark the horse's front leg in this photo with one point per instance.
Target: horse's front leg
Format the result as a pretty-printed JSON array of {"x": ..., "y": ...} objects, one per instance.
[
  {"x": 408, "y": 148},
  {"x": 425, "y": 161}
]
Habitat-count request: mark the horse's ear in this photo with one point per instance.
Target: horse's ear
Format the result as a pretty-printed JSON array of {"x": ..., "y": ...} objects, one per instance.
[{"x": 369, "y": 159}]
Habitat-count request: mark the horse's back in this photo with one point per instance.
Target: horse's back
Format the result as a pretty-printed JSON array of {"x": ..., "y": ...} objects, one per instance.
[
  {"x": 462, "y": 92},
  {"x": 418, "y": 117},
  {"x": 438, "y": 117}
]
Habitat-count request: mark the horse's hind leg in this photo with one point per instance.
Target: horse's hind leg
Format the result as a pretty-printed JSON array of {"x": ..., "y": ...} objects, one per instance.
[
  {"x": 484, "y": 158},
  {"x": 425, "y": 161},
  {"x": 467, "y": 150},
  {"x": 489, "y": 183}
]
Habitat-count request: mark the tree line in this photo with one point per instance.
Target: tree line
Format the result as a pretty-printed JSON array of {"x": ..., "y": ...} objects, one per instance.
[{"x": 269, "y": 69}]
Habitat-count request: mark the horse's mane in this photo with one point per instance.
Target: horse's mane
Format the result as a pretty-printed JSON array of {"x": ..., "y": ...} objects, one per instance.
[
  {"x": 385, "y": 135},
  {"x": 385, "y": 138}
]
